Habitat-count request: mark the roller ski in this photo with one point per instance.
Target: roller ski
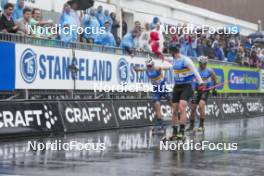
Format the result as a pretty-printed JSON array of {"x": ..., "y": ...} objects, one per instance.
[
  {"x": 158, "y": 128},
  {"x": 176, "y": 137},
  {"x": 199, "y": 130}
]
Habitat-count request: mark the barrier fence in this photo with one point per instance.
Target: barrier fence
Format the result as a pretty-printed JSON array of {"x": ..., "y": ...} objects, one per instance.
[{"x": 38, "y": 117}]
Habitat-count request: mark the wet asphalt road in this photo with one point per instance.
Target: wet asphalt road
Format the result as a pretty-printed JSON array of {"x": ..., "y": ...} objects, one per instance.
[{"x": 135, "y": 152}]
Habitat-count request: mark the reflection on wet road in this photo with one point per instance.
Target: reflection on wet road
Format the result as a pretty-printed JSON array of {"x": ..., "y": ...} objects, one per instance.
[{"x": 135, "y": 152}]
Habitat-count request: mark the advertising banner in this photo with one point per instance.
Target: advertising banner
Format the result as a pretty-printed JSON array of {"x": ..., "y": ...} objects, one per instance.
[
  {"x": 39, "y": 68},
  {"x": 35, "y": 67},
  {"x": 7, "y": 66},
  {"x": 87, "y": 116},
  {"x": 34, "y": 117},
  {"x": 237, "y": 79},
  {"x": 212, "y": 110},
  {"x": 232, "y": 108},
  {"x": 261, "y": 80},
  {"x": 253, "y": 107},
  {"x": 31, "y": 118},
  {"x": 134, "y": 113},
  {"x": 245, "y": 80}
]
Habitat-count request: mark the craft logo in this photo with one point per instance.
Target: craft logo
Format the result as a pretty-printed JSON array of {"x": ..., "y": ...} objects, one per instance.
[
  {"x": 122, "y": 71},
  {"x": 255, "y": 106},
  {"x": 136, "y": 112},
  {"x": 28, "y": 66},
  {"x": 230, "y": 108},
  {"x": 91, "y": 114},
  {"x": 28, "y": 118}
]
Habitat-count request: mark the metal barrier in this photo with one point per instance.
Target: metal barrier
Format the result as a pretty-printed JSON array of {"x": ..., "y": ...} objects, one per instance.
[{"x": 16, "y": 38}]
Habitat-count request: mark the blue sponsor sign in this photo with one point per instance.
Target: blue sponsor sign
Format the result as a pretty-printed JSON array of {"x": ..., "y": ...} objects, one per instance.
[{"x": 243, "y": 80}]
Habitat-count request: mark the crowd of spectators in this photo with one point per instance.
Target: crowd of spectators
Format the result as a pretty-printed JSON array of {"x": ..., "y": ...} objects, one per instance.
[{"x": 147, "y": 37}]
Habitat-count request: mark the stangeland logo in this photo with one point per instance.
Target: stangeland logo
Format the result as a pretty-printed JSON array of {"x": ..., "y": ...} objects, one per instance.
[
  {"x": 28, "y": 66},
  {"x": 28, "y": 118},
  {"x": 91, "y": 114},
  {"x": 122, "y": 71}
]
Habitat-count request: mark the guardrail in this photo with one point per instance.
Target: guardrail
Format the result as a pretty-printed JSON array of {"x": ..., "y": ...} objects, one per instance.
[{"x": 25, "y": 39}]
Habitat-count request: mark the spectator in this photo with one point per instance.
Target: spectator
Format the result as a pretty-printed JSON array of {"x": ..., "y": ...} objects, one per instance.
[
  {"x": 184, "y": 44},
  {"x": 66, "y": 20},
  {"x": 192, "y": 45},
  {"x": 67, "y": 36},
  {"x": 128, "y": 42},
  {"x": 232, "y": 51},
  {"x": 18, "y": 12},
  {"x": 240, "y": 55},
  {"x": 154, "y": 42},
  {"x": 137, "y": 25},
  {"x": 6, "y": 21},
  {"x": 137, "y": 40},
  {"x": 153, "y": 24},
  {"x": 109, "y": 19},
  {"x": 144, "y": 40},
  {"x": 23, "y": 22},
  {"x": 208, "y": 50},
  {"x": 66, "y": 15},
  {"x": 100, "y": 16},
  {"x": 35, "y": 23},
  {"x": 76, "y": 17},
  {"x": 247, "y": 46},
  {"x": 124, "y": 26},
  {"x": 253, "y": 57},
  {"x": 49, "y": 34},
  {"x": 199, "y": 49},
  {"x": 115, "y": 25},
  {"x": 90, "y": 22},
  {"x": 2, "y": 4},
  {"x": 106, "y": 39},
  {"x": 74, "y": 13},
  {"x": 261, "y": 58},
  {"x": 218, "y": 52}
]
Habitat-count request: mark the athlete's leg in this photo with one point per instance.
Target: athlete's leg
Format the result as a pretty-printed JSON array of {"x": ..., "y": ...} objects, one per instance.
[
  {"x": 183, "y": 115},
  {"x": 192, "y": 116},
  {"x": 184, "y": 98},
  {"x": 157, "y": 98},
  {"x": 175, "y": 109},
  {"x": 201, "y": 105},
  {"x": 175, "y": 120}
]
